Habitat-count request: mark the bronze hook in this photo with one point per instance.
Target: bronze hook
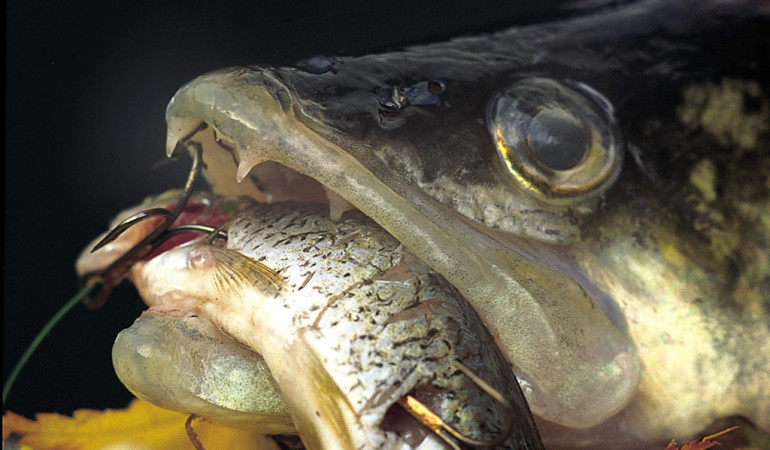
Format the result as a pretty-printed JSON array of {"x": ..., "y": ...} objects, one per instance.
[
  {"x": 219, "y": 231},
  {"x": 445, "y": 431},
  {"x": 213, "y": 232},
  {"x": 128, "y": 223},
  {"x": 113, "y": 274}
]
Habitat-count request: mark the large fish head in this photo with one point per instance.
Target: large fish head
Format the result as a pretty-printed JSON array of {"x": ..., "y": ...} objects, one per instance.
[{"x": 564, "y": 177}]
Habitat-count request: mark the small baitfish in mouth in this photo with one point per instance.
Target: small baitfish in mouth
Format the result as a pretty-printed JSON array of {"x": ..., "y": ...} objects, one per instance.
[{"x": 340, "y": 331}]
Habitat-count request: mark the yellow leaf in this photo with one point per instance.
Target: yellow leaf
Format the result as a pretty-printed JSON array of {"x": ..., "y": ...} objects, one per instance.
[{"x": 140, "y": 426}]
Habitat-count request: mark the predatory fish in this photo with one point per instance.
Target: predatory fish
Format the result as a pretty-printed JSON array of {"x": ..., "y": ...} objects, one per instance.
[{"x": 596, "y": 189}]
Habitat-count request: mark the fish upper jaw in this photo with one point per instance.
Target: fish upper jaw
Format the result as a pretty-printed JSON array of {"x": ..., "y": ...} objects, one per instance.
[{"x": 578, "y": 368}]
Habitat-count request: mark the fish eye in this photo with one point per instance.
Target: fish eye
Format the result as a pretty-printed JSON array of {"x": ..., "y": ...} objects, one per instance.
[
  {"x": 559, "y": 141},
  {"x": 436, "y": 86}
]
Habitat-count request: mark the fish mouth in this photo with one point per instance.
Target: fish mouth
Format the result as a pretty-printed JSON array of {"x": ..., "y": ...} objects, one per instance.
[{"x": 576, "y": 368}]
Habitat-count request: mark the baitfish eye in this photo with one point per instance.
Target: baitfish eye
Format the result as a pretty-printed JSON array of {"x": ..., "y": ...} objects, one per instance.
[{"x": 558, "y": 140}]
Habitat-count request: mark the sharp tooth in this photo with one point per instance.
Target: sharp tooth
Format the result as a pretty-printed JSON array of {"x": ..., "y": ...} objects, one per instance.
[
  {"x": 337, "y": 204},
  {"x": 179, "y": 128},
  {"x": 248, "y": 158}
]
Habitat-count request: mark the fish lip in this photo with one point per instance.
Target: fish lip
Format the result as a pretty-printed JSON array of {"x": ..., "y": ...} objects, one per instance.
[{"x": 253, "y": 116}]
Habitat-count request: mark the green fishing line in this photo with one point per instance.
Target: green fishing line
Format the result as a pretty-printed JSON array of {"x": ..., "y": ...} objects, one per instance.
[{"x": 41, "y": 335}]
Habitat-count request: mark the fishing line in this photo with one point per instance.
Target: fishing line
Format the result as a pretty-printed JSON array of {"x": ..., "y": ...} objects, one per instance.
[{"x": 42, "y": 334}]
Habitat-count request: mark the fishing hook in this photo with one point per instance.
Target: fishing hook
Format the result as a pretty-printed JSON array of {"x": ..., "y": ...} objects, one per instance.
[
  {"x": 445, "y": 431},
  {"x": 128, "y": 223},
  {"x": 115, "y": 272},
  {"x": 213, "y": 232}
]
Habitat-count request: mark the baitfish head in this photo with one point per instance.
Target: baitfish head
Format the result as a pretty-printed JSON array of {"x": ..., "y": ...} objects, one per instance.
[{"x": 596, "y": 188}]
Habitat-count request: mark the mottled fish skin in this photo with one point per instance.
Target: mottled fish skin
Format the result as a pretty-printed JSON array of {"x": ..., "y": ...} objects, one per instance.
[{"x": 356, "y": 324}]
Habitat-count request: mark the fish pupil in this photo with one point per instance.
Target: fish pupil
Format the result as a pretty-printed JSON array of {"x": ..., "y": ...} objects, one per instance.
[{"x": 557, "y": 139}]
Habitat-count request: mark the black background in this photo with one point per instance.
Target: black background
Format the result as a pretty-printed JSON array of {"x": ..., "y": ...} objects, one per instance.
[{"x": 87, "y": 86}]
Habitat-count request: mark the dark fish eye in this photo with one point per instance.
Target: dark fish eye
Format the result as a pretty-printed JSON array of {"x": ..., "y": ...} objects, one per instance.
[
  {"x": 559, "y": 141},
  {"x": 436, "y": 86}
]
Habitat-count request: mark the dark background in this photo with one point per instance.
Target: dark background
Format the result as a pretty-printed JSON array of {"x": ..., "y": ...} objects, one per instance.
[{"x": 87, "y": 85}]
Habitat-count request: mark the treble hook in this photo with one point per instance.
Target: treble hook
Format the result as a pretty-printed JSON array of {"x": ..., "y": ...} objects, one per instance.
[
  {"x": 445, "y": 431},
  {"x": 114, "y": 273}
]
